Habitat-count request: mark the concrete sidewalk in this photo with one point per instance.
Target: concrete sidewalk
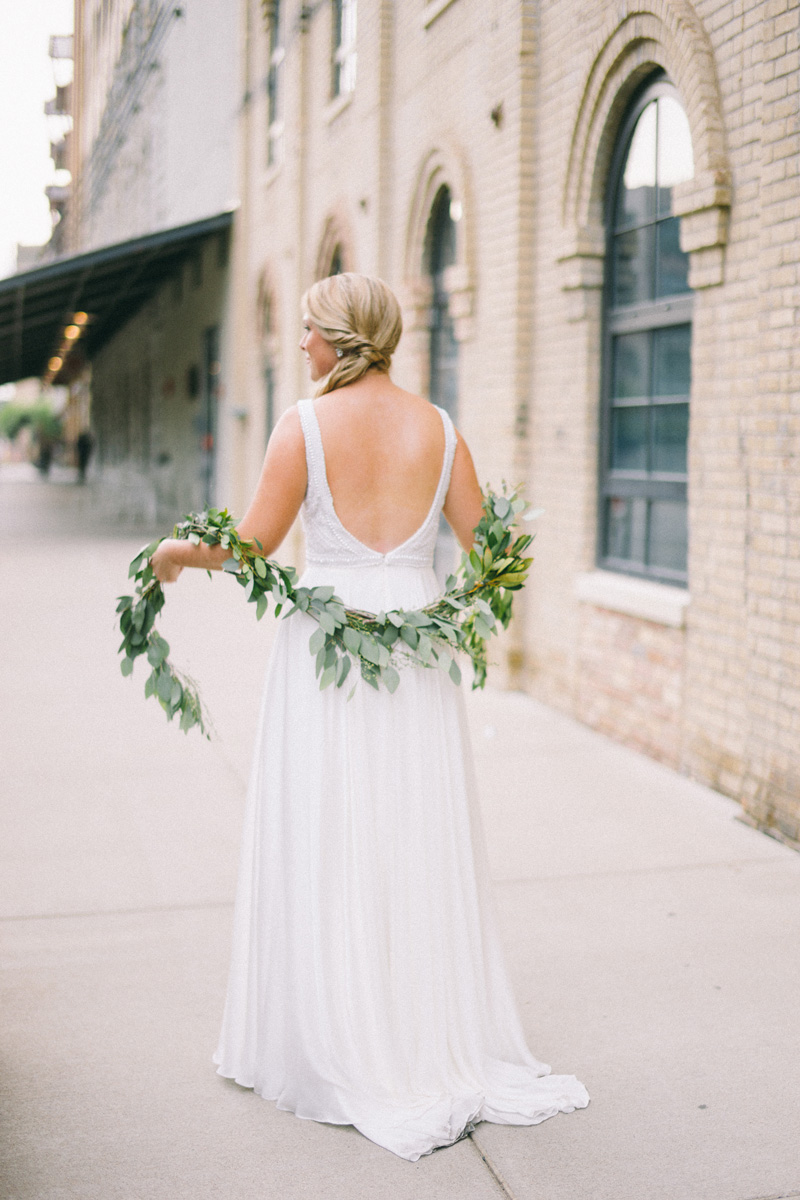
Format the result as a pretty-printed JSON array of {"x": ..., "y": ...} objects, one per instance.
[{"x": 653, "y": 938}]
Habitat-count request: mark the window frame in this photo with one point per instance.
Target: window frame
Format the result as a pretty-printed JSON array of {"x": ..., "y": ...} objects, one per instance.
[
  {"x": 344, "y": 56},
  {"x": 642, "y": 316},
  {"x": 275, "y": 56}
]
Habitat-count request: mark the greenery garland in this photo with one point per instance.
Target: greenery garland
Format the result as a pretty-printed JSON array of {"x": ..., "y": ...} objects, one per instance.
[{"x": 462, "y": 619}]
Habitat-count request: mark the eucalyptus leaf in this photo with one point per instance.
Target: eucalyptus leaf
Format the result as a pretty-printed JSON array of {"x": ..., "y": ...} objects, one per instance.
[
  {"x": 343, "y": 669},
  {"x": 476, "y": 601},
  {"x": 327, "y": 678},
  {"x": 352, "y": 639},
  {"x": 327, "y": 622},
  {"x": 391, "y": 678}
]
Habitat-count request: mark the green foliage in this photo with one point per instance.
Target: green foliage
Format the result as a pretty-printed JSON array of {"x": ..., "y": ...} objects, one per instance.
[
  {"x": 476, "y": 604},
  {"x": 42, "y": 419}
]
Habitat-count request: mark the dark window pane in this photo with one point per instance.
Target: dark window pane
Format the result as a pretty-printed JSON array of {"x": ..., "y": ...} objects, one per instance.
[
  {"x": 664, "y": 202},
  {"x": 630, "y": 366},
  {"x": 629, "y": 437},
  {"x": 618, "y": 527},
  {"x": 670, "y": 431},
  {"x": 637, "y": 187},
  {"x": 672, "y": 275},
  {"x": 625, "y": 528},
  {"x": 668, "y": 534},
  {"x": 672, "y": 362},
  {"x": 633, "y": 266}
]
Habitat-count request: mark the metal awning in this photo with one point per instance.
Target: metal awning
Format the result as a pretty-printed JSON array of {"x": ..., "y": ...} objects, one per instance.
[{"x": 110, "y": 285}]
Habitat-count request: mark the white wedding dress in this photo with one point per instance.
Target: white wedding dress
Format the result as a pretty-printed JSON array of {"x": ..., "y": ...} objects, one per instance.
[{"x": 367, "y": 984}]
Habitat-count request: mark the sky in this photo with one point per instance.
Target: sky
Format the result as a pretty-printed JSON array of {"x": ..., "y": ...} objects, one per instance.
[{"x": 26, "y": 81}]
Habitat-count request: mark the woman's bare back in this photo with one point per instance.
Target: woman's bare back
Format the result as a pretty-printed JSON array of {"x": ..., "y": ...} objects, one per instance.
[{"x": 384, "y": 449}]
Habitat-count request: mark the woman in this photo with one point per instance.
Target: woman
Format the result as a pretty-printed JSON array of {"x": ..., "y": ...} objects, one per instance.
[{"x": 367, "y": 985}]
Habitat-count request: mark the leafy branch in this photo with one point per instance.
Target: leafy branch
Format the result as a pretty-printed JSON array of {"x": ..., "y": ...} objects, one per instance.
[{"x": 476, "y": 603}]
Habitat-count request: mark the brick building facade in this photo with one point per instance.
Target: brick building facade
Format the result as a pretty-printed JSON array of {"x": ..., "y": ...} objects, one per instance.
[{"x": 479, "y": 155}]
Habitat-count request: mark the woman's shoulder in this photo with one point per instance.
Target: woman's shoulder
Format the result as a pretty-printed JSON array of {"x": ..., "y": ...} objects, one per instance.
[{"x": 287, "y": 433}]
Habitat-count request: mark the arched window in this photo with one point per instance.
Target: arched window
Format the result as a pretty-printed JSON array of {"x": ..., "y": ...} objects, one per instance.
[
  {"x": 440, "y": 253},
  {"x": 337, "y": 260},
  {"x": 647, "y": 346}
]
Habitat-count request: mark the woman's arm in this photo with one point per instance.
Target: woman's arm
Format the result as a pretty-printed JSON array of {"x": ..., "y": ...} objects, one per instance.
[
  {"x": 272, "y": 510},
  {"x": 463, "y": 507}
]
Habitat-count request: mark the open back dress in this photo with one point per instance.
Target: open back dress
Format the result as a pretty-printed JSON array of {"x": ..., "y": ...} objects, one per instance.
[{"x": 367, "y": 984}]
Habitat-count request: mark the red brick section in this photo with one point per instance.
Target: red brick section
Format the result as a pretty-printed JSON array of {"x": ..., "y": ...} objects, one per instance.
[{"x": 630, "y": 682}]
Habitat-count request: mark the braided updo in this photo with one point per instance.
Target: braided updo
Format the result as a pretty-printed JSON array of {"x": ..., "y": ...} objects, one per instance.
[{"x": 360, "y": 316}]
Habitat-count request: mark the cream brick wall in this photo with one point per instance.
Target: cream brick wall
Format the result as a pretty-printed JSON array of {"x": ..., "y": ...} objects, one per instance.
[{"x": 717, "y": 697}]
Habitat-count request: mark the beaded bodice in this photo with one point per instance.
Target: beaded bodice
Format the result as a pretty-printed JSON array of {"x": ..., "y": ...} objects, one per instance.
[{"x": 327, "y": 540}]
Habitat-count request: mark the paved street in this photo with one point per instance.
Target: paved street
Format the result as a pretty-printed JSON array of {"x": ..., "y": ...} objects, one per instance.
[{"x": 654, "y": 939}]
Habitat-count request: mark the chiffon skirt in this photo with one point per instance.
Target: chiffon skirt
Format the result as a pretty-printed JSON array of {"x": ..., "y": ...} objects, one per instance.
[{"x": 367, "y": 984}]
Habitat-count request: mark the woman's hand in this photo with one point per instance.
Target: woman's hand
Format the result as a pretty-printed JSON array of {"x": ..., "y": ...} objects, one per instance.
[{"x": 165, "y": 568}]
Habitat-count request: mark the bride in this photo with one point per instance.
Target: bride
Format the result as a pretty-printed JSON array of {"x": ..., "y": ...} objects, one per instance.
[{"x": 367, "y": 985}]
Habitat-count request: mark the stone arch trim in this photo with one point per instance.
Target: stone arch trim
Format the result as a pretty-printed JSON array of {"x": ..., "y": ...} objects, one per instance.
[
  {"x": 336, "y": 231},
  {"x": 441, "y": 166},
  {"x": 670, "y": 35}
]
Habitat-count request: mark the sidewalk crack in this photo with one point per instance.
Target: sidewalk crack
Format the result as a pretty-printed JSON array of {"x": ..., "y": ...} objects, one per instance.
[
  {"x": 776, "y": 1196},
  {"x": 496, "y": 1175}
]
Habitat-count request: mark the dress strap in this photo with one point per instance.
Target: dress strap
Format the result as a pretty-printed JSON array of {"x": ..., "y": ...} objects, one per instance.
[
  {"x": 315, "y": 454},
  {"x": 450, "y": 443}
]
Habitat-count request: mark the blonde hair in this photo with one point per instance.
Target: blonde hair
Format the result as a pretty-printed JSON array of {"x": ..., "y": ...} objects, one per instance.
[{"x": 360, "y": 316}]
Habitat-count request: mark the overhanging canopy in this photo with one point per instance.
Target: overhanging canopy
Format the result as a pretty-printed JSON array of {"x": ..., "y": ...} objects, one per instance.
[{"x": 110, "y": 284}]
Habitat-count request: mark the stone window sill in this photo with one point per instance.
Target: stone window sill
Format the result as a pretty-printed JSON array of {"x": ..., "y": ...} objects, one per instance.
[
  {"x": 337, "y": 105},
  {"x": 432, "y": 10},
  {"x": 657, "y": 602},
  {"x": 272, "y": 172}
]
